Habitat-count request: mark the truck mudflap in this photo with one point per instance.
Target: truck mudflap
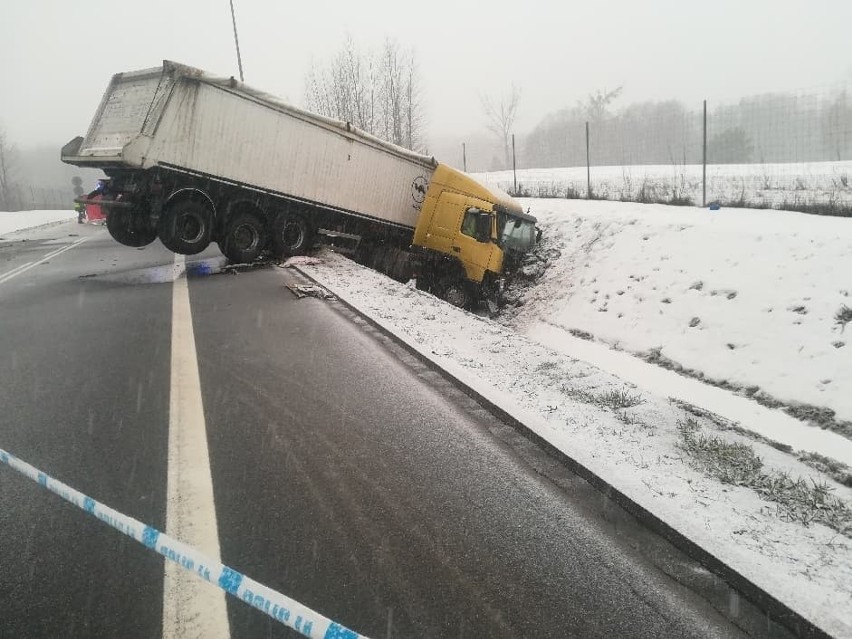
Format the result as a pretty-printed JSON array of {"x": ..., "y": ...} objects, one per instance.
[{"x": 492, "y": 291}]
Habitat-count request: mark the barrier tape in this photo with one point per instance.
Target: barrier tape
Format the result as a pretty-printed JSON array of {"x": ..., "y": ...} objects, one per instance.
[{"x": 280, "y": 607}]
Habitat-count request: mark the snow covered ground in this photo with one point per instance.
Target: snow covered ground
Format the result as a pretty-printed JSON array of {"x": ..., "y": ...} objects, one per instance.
[
  {"x": 22, "y": 220},
  {"x": 788, "y": 185},
  {"x": 663, "y": 456},
  {"x": 745, "y": 296},
  {"x": 742, "y": 411}
]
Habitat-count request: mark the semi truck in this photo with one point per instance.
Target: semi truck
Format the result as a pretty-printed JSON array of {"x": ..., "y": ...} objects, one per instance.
[{"x": 192, "y": 158}]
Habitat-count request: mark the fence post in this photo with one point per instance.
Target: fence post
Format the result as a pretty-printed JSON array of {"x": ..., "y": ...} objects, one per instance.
[
  {"x": 704, "y": 161},
  {"x": 514, "y": 166},
  {"x": 588, "y": 164},
  {"x": 464, "y": 157}
]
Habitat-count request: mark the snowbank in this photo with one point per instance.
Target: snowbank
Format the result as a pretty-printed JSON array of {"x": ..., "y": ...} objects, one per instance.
[
  {"x": 637, "y": 448},
  {"x": 22, "y": 220},
  {"x": 745, "y": 296}
]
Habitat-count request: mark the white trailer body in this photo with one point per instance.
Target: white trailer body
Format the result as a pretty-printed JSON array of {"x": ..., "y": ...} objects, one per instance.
[
  {"x": 192, "y": 159},
  {"x": 183, "y": 119}
]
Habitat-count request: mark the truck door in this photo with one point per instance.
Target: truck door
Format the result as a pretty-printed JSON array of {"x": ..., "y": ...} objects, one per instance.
[
  {"x": 452, "y": 231},
  {"x": 472, "y": 242}
]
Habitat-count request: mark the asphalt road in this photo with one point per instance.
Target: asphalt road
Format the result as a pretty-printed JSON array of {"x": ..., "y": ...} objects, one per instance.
[{"x": 342, "y": 475}]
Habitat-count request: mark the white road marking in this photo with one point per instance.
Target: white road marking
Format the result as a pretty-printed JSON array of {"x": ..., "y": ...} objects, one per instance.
[
  {"x": 10, "y": 274},
  {"x": 26, "y": 267},
  {"x": 191, "y": 607}
]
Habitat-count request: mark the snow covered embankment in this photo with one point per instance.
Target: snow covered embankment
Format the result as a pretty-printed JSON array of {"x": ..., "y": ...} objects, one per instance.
[
  {"x": 24, "y": 220},
  {"x": 666, "y": 459},
  {"x": 751, "y": 299}
]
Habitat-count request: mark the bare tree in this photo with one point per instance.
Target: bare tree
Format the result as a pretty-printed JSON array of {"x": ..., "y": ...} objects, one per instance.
[
  {"x": 344, "y": 89},
  {"x": 596, "y": 105},
  {"x": 8, "y": 160},
  {"x": 378, "y": 93},
  {"x": 401, "y": 111},
  {"x": 392, "y": 91},
  {"x": 413, "y": 109},
  {"x": 500, "y": 117}
]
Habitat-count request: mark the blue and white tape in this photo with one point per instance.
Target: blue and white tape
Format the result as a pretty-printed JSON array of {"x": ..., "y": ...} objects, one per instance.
[{"x": 280, "y": 607}]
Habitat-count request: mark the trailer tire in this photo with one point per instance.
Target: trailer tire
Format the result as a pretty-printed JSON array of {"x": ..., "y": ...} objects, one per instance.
[
  {"x": 423, "y": 283},
  {"x": 128, "y": 229},
  {"x": 185, "y": 227},
  {"x": 244, "y": 239},
  {"x": 291, "y": 235}
]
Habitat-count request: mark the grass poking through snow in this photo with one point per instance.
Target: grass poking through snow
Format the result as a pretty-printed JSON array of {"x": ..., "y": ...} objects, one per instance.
[
  {"x": 795, "y": 498},
  {"x": 730, "y": 463},
  {"x": 838, "y": 471},
  {"x": 613, "y": 398},
  {"x": 843, "y": 317}
]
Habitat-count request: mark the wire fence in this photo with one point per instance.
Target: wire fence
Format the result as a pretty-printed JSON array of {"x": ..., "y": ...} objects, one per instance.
[
  {"x": 26, "y": 197},
  {"x": 787, "y": 150}
]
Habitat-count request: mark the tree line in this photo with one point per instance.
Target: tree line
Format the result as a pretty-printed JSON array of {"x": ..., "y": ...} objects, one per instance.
[
  {"x": 8, "y": 161},
  {"x": 767, "y": 128},
  {"x": 375, "y": 90}
]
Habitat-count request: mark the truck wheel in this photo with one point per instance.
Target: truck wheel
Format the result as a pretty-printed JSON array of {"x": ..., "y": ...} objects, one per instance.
[
  {"x": 291, "y": 235},
  {"x": 128, "y": 229},
  {"x": 244, "y": 239},
  {"x": 457, "y": 293},
  {"x": 185, "y": 227},
  {"x": 423, "y": 283}
]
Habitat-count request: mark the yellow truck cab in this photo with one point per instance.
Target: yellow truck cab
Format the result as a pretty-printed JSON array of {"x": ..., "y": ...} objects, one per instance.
[{"x": 469, "y": 236}]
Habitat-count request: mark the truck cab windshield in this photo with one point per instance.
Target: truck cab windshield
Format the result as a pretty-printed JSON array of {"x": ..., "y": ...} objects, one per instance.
[{"x": 516, "y": 234}]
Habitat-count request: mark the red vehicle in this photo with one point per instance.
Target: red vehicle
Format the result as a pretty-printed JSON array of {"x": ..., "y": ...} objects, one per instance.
[
  {"x": 94, "y": 212},
  {"x": 88, "y": 207}
]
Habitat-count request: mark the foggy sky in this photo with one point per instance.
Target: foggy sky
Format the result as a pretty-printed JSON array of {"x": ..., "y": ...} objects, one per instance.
[{"x": 57, "y": 56}]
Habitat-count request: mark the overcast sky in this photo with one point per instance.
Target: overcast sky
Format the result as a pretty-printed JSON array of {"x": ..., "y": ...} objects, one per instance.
[{"x": 56, "y": 56}]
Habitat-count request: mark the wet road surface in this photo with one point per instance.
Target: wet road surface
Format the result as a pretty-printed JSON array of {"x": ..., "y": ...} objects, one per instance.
[{"x": 342, "y": 475}]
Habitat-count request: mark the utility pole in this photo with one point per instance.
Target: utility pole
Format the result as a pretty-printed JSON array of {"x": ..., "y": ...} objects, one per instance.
[
  {"x": 514, "y": 165},
  {"x": 588, "y": 165},
  {"x": 464, "y": 157},
  {"x": 237, "y": 42},
  {"x": 704, "y": 161}
]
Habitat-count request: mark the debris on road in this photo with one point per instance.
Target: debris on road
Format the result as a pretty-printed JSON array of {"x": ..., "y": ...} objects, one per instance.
[
  {"x": 233, "y": 269},
  {"x": 301, "y": 260},
  {"x": 310, "y": 290}
]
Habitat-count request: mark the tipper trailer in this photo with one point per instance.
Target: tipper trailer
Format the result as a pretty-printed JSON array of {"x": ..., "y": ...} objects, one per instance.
[{"x": 194, "y": 159}]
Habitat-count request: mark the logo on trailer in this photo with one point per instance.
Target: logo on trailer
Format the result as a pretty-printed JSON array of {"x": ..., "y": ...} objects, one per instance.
[{"x": 418, "y": 189}]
